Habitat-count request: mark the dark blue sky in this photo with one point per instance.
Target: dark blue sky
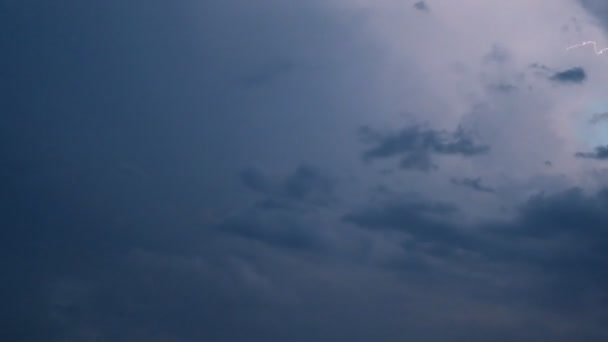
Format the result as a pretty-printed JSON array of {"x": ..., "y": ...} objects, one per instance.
[{"x": 303, "y": 171}]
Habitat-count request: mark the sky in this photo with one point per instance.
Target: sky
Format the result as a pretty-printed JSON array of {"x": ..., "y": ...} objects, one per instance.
[{"x": 281, "y": 170}]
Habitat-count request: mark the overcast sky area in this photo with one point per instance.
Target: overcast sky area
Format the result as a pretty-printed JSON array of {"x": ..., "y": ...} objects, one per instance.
[{"x": 321, "y": 170}]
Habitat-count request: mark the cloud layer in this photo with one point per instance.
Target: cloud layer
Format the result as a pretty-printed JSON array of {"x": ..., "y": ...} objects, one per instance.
[{"x": 303, "y": 171}]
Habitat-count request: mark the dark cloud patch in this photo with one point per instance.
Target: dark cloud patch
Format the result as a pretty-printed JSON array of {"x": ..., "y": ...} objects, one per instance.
[
  {"x": 557, "y": 242},
  {"x": 422, "y": 6},
  {"x": 565, "y": 237},
  {"x": 306, "y": 185},
  {"x": 598, "y": 117},
  {"x": 600, "y": 153},
  {"x": 573, "y": 75},
  {"x": 416, "y": 145},
  {"x": 570, "y": 212},
  {"x": 562, "y": 237},
  {"x": 472, "y": 183}
]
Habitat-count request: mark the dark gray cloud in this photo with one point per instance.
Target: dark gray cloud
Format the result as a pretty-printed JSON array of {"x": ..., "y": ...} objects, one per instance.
[
  {"x": 600, "y": 153},
  {"x": 472, "y": 183},
  {"x": 548, "y": 216},
  {"x": 422, "y": 6},
  {"x": 573, "y": 75},
  {"x": 416, "y": 145}
]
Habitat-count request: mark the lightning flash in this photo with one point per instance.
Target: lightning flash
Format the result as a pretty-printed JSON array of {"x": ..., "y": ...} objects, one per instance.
[{"x": 590, "y": 42}]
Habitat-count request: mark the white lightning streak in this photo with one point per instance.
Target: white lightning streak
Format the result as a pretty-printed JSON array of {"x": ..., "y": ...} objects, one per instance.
[{"x": 597, "y": 52}]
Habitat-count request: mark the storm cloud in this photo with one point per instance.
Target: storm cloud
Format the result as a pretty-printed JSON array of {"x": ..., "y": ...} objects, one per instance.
[{"x": 303, "y": 171}]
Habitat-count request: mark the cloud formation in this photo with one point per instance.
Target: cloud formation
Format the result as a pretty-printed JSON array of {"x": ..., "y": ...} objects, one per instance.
[
  {"x": 573, "y": 75},
  {"x": 167, "y": 176},
  {"x": 416, "y": 144},
  {"x": 600, "y": 153},
  {"x": 562, "y": 236},
  {"x": 306, "y": 184}
]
